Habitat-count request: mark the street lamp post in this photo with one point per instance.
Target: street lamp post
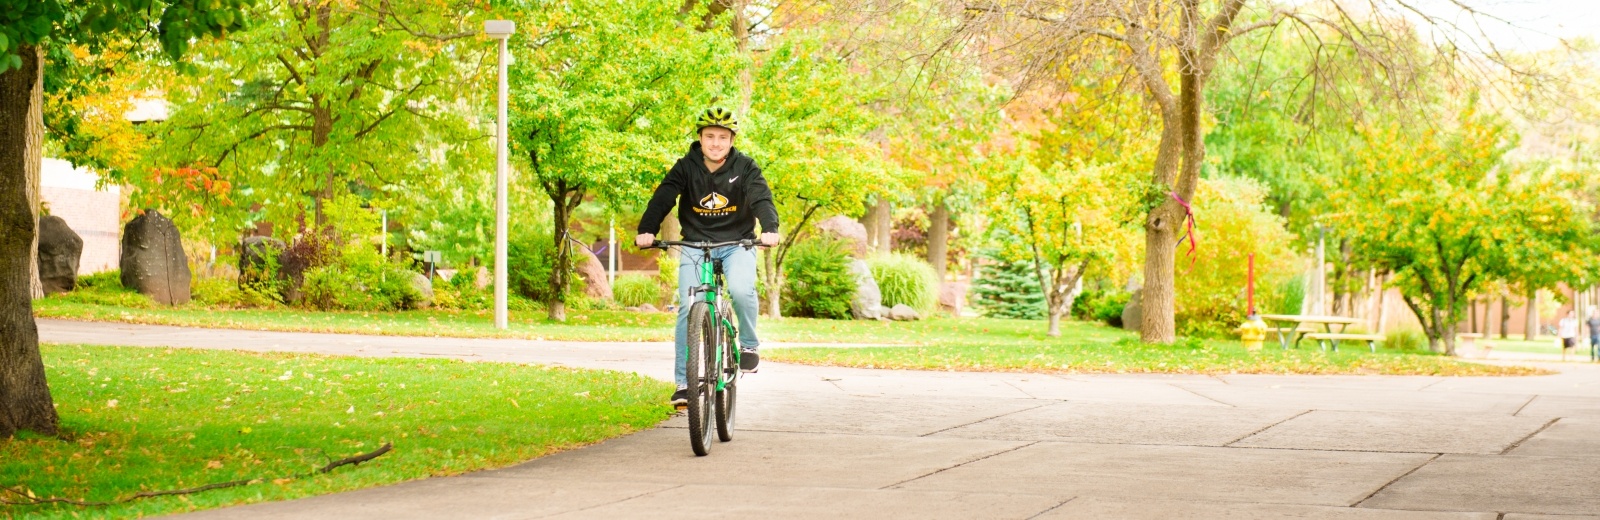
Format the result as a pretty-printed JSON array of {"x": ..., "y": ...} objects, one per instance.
[{"x": 500, "y": 30}]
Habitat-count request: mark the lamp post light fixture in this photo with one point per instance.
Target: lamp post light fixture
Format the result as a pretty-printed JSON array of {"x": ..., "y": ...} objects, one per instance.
[{"x": 500, "y": 30}]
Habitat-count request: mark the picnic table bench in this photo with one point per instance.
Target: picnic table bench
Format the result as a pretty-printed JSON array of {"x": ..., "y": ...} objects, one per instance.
[
  {"x": 1325, "y": 338},
  {"x": 1293, "y": 327}
]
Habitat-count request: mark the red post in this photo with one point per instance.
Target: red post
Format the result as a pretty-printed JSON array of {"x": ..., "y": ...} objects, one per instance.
[{"x": 1251, "y": 286}]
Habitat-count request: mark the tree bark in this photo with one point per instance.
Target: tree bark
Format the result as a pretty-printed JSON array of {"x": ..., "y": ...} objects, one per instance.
[
  {"x": 1505, "y": 315},
  {"x": 25, "y": 402},
  {"x": 939, "y": 237},
  {"x": 559, "y": 280},
  {"x": 35, "y": 157},
  {"x": 885, "y": 214},
  {"x": 1530, "y": 329},
  {"x": 869, "y": 220}
]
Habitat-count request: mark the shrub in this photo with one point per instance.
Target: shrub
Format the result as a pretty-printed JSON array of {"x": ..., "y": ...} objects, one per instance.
[
  {"x": 1008, "y": 288},
  {"x": 1405, "y": 340},
  {"x": 633, "y": 290},
  {"x": 1102, "y": 305},
  {"x": 531, "y": 258},
  {"x": 462, "y": 293},
  {"x": 1233, "y": 222},
  {"x": 362, "y": 280},
  {"x": 1286, "y": 298},
  {"x": 905, "y": 279},
  {"x": 818, "y": 280}
]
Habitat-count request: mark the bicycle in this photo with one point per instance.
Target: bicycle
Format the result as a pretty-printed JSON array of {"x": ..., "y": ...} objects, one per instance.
[{"x": 712, "y": 365}]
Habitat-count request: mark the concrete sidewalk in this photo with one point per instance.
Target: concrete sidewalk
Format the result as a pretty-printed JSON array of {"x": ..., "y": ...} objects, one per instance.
[{"x": 834, "y": 442}]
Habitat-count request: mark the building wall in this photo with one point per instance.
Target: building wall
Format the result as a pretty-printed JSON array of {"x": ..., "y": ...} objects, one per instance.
[{"x": 95, "y": 215}]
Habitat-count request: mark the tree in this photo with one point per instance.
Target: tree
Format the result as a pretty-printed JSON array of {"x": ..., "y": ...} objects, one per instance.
[
  {"x": 602, "y": 99},
  {"x": 27, "y": 27},
  {"x": 810, "y": 117},
  {"x": 1446, "y": 214},
  {"x": 1166, "y": 41},
  {"x": 317, "y": 100}
]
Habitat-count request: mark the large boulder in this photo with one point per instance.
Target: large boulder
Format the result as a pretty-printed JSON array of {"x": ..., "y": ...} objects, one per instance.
[
  {"x": 595, "y": 284},
  {"x": 1132, "y": 314},
  {"x": 847, "y": 229},
  {"x": 59, "y": 250},
  {"x": 953, "y": 296},
  {"x": 424, "y": 287},
  {"x": 868, "y": 303},
  {"x": 903, "y": 312},
  {"x": 255, "y": 269},
  {"x": 153, "y": 261}
]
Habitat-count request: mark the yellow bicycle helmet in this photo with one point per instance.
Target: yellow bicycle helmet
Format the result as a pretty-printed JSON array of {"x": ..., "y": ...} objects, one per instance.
[{"x": 718, "y": 117}]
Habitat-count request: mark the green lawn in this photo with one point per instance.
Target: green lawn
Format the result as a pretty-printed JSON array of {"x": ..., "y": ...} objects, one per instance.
[
  {"x": 938, "y": 343},
  {"x": 143, "y": 419}
]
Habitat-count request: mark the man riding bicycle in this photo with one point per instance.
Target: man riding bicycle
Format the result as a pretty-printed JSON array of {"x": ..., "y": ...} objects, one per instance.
[{"x": 720, "y": 195}]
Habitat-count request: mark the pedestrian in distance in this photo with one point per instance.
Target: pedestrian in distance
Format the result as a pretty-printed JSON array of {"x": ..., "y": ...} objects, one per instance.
[
  {"x": 1594, "y": 334},
  {"x": 1567, "y": 329}
]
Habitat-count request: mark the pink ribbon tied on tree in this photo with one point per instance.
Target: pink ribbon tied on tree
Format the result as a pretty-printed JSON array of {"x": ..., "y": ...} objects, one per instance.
[{"x": 1188, "y": 233}]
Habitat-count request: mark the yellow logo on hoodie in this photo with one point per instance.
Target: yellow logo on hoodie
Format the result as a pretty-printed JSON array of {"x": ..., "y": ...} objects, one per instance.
[{"x": 715, "y": 205}]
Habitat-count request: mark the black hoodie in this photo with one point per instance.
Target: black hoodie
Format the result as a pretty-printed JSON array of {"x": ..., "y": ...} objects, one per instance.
[{"x": 713, "y": 207}]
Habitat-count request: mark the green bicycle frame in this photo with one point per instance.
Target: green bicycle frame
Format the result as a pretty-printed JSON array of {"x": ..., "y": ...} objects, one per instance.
[{"x": 708, "y": 281}]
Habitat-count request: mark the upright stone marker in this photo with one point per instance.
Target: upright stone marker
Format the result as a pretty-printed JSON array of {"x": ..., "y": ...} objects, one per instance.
[
  {"x": 153, "y": 262},
  {"x": 60, "y": 248}
]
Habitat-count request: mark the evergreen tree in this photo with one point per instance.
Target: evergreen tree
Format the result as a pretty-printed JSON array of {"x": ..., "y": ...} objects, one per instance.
[{"x": 1007, "y": 288}]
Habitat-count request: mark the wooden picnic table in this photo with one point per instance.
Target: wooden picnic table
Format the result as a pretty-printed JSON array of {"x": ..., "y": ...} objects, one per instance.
[{"x": 1289, "y": 324}]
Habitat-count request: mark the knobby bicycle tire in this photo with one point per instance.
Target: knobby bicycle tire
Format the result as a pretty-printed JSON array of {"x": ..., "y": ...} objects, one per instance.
[
  {"x": 729, "y": 368},
  {"x": 702, "y": 379}
]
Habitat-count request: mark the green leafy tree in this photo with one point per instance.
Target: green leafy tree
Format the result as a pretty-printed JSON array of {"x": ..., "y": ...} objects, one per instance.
[
  {"x": 602, "y": 99},
  {"x": 316, "y": 100},
  {"x": 1442, "y": 210},
  {"x": 27, "y": 28}
]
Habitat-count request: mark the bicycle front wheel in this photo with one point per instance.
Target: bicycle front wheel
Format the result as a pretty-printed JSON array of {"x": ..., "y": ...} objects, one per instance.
[
  {"x": 728, "y": 396},
  {"x": 701, "y": 369}
]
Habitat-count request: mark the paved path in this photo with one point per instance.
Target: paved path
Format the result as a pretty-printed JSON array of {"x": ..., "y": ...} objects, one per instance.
[{"x": 833, "y": 442}]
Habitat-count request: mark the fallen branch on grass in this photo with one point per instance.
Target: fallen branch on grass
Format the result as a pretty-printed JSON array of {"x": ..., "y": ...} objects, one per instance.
[{"x": 27, "y": 499}]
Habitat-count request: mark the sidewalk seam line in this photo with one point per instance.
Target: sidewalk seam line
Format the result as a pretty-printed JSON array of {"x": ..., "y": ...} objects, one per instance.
[
  {"x": 1525, "y": 438},
  {"x": 1229, "y": 444},
  {"x": 942, "y": 470},
  {"x": 1015, "y": 387},
  {"x": 1396, "y": 479},
  {"x": 936, "y": 432},
  {"x": 610, "y": 503},
  {"x": 1212, "y": 399},
  {"x": 1052, "y": 508},
  {"x": 1525, "y": 405}
]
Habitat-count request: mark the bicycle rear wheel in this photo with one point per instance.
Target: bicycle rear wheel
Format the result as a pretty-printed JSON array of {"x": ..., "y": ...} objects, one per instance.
[
  {"x": 700, "y": 367},
  {"x": 729, "y": 368}
]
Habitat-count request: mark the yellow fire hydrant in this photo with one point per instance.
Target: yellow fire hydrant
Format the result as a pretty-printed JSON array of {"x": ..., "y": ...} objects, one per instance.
[{"x": 1252, "y": 333}]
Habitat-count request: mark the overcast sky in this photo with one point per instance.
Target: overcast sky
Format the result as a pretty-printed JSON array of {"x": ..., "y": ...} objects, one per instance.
[{"x": 1533, "y": 24}]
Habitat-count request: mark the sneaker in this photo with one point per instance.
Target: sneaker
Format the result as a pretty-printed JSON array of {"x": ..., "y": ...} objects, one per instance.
[
  {"x": 748, "y": 359},
  {"x": 680, "y": 397}
]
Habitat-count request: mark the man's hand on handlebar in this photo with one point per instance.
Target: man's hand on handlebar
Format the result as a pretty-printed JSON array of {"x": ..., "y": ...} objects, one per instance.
[
  {"x": 644, "y": 240},
  {"x": 769, "y": 239}
]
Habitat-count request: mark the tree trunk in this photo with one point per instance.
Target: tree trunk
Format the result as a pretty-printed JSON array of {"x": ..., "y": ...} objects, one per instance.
[
  {"x": 25, "y": 402},
  {"x": 1505, "y": 315},
  {"x": 869, "y": 220},
  {"x": 1055, "y": 324},
  {"x": 939, "y": 237},
  {"x": 321, "y": 130},
  {"x": 35, "y": 133},
  {"x": 885, "y": 214},
  {"x": 671, "y": 230},
  {"x": 774, "y": 280},
  {"x": 560, "y": 212},
  {"x": 1531, "y": 325}
]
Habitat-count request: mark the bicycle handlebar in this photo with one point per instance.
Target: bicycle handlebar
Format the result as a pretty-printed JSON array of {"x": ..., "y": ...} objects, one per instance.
[{"x": 705, "y": 246}]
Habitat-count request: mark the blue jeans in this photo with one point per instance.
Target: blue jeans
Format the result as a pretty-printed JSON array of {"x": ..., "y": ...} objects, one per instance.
[{"x": 739, "y": 276}]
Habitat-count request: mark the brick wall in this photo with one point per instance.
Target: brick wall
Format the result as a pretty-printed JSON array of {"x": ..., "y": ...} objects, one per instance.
[{"x": 96, "y": 217}]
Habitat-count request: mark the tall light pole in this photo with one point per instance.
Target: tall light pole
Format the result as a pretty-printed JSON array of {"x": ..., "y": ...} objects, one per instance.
[{"x": 500, "y": 30}]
